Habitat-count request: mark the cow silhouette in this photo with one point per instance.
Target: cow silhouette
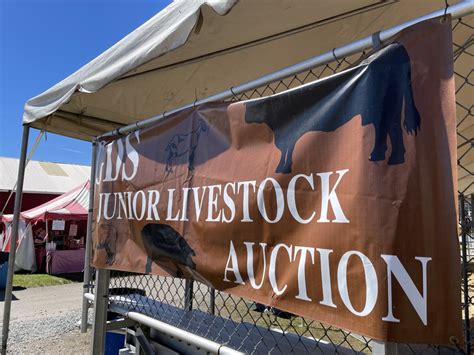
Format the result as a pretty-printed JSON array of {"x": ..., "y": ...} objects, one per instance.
[
  {"x": 182, "y": 144},
  {"x": 378, "y": 89}
]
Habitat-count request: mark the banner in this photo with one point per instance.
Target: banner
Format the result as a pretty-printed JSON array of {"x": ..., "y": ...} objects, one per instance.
[{"x": 335, "y": 200}]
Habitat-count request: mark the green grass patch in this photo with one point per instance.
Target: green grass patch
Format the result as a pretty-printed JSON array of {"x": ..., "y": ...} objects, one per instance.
[{"x": 38, "y": 280}]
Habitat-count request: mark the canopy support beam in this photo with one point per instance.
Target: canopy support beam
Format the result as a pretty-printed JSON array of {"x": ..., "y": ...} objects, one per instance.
[{"x": 14, "y": 238}]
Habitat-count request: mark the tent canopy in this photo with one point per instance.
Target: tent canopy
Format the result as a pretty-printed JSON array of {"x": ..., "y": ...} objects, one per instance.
[
  {"x": 198, "y": 48},
  {"x": 72, "y": 205},
  {"x": 194, "y": 49}
]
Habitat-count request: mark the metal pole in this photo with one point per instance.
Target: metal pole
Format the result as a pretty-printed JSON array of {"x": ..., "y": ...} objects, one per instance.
[
  {"x": 463, "y": 8},
  {"x": 465, "y": 266},
  {"x": 13, "y": 239},
  {"x": 188, "y": 295},
  {"x": 100, "y": 311},
  {"x": 87, "y": 270},
  {"x": 212, "y": 303},
  {"x": 181, "y": 334}
]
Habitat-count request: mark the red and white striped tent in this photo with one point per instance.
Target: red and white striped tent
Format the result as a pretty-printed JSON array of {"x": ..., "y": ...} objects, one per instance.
[{"x": 72, "y": 205}]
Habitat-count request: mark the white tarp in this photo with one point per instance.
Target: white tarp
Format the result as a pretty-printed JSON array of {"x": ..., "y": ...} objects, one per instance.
[
  {"x": 166, "y": 31},
  {"x": 25, "y": 253}
]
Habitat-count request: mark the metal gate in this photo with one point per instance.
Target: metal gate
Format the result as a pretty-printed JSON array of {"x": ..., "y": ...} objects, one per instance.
[{"x": 253, "y": 328}]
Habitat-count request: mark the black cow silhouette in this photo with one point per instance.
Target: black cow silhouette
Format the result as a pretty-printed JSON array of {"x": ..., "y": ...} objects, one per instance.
[
  {"x": 377, "y": 89},
  {"x": 166, "y": 247},
  {"x": 182, "y": 144}
]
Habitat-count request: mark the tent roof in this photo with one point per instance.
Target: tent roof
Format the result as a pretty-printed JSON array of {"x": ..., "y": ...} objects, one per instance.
[
  {"x": 193, "y": 49},
  {"x": 73, "y": 205},
  {"x": 42, "y": 176}
]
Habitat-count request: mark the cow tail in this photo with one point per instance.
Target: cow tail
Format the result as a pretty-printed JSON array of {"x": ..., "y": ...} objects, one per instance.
[{"x": 412, "y": 116}]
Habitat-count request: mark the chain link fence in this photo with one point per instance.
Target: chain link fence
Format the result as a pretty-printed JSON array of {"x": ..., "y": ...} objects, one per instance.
[{"x": 255, "y": 328}]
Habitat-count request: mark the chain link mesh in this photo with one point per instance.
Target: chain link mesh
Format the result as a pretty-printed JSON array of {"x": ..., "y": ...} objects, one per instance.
[{"x": 254, "y": 328}]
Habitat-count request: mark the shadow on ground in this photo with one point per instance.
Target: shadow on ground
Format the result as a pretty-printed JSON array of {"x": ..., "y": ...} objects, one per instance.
[{"x": 2, "y": 294}]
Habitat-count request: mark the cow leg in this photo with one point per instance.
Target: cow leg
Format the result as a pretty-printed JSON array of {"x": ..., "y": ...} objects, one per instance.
[
  {"x": 396, "y": 139},
  {"x": 380, "y": 144},
  {"x": 191, "y": 159},
  {"x": 148, "y": 265},
  {"x": 288, "y": 161},
  {"x": 169, "y": 160},
  {"x": 281, "y": 165}
]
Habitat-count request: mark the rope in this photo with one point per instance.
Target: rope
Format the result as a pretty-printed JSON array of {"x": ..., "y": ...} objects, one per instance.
[{"x": 33, "y": 149}]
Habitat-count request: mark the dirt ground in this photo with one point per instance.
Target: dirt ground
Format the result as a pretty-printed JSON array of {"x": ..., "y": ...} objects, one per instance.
[{"x": 44, "y": 320}]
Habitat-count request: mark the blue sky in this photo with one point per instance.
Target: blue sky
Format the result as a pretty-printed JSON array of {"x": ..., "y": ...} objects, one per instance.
[{"x": 44, "y": 41}]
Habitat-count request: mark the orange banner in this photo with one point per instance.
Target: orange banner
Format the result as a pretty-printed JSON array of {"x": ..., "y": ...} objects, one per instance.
[{"x": 335, "y": 200}]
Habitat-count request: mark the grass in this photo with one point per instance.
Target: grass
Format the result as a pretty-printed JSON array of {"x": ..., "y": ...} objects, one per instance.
[{"x": 38, "y": 280}]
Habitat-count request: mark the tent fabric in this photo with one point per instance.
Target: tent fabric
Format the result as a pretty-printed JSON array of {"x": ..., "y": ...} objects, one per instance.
[
  {"x": 72, "y": 205},
  {"x": 191, "y": 50},
  {"x": 25, "y": 253},
  {"x": 196, "y": 48},
  {"x": 42, "y": 176},
  {"x": 5, "y": 236},
  {"x": 166, "y": 31}
]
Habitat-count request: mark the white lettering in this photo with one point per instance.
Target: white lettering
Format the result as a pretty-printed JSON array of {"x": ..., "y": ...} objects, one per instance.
[
  {"x": 272, "y": 267},
  {"x": 331, "y": 197},
  {"x": 371, "y": 284},
  {"x": 235, "y": 266},
  {"x": 279, "y": 200},
  {"x": 419, "y": 301}
]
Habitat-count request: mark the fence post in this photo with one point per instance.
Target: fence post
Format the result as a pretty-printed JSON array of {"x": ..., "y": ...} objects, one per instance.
[
  {"x": 188, "y": 295},
  {"x": 100, "y": 311},
  {"x": 382, "y": 348},
  {"x": 13, "y": 238},
  {"x": 87, "y": 270},
  {"x": 212, "y": 303},
  {"x": 465, "y": 267}
]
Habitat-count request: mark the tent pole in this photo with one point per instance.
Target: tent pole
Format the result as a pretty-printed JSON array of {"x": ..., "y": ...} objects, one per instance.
[
  {"x": 14, "y": 237},
  {"x": 87, "y": 271},
  {"x": 101, "y": 303}
]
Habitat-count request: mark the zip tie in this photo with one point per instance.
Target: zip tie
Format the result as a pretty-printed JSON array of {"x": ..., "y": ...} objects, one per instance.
[
  {"x": 376, "y": 42},
  {"x": 443, "y": 20},
  {"x": 195, "y": 98},
  {"x": 334, "y": 56}
]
